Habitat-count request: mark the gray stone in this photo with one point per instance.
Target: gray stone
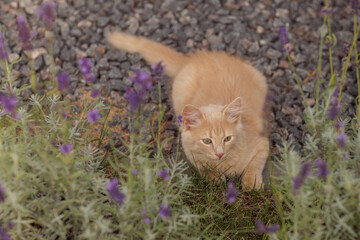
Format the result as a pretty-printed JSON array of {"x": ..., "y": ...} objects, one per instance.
[
  {"x": 124, "y": 124},
  {"x": 76, "y": 32},
  {"x": 133, "y": 24},
  {"x": 114, "y": 73},
  {"x": 102, "y": 21},
  {"x": 115, "y": 55},
  {"x": 84, "y": 24},
  {"x": 134, "y": 58},
  {"x": 38, "y": 63},
  {"x": 68, "y": 54},
  {"x": 273, "y": 54},
  {"x": 254, "y": 48},
  {"x": 102, "y": 64},
  {"x": 117, "y": 84}
]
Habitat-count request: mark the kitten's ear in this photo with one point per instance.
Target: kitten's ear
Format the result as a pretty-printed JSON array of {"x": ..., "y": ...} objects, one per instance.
[
  {"x": 191, "y": 116},
  {"x": 233, "y": 110}
]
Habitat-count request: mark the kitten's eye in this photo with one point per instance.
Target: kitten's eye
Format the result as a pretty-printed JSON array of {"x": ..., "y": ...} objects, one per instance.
[
  {"x": 228, "y": 138},
  {"x": 207, "y": 140}
]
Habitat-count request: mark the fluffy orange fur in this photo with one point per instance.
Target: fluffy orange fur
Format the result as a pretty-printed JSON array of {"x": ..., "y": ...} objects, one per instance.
[{"x": 221, "y": 99}]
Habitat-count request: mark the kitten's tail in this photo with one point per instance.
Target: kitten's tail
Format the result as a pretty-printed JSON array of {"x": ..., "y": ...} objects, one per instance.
[{"x": 153, "y": 52}]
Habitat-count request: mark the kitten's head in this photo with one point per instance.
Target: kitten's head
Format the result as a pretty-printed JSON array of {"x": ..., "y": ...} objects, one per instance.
[{"x": 210, "y": 133}]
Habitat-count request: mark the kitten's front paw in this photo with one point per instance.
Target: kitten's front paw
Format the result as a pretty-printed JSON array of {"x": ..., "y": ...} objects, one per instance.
[{"x": 252, "y": 182}]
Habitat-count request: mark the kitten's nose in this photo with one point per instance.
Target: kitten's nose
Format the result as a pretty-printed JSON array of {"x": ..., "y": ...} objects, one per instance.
[{"x": 220, "y": 155}]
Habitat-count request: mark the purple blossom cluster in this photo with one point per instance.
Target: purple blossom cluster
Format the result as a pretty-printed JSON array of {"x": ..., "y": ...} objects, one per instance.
[
  {"x": 354, "y": 4},
  {"x": 179, "y": 120},
  {"x": 261, "y": 228},
  {"x": 3, "y": 233},
  {"x": 25, "y": 34},
  {"x": 46, "y": 12},
  {"x": 93, "y": 115},
  {"x": 231, "y": 193},
  {"x": 63, "y": 81},
  {"x": 65, "y": 148},
  {"x": 326, "y": 11},
  {"x": 304, "y": 172},
  {"x": 323, "y": 170},
  {"x": 165, "y": 212},
  {"x": 3, "y": 52},
  {"x": 146, "y": 218},
  {"x": 346, "y": 48},
  {"x": 283, "y": 39},
  {"x": 157, "y": 70},
  {"x": 113, "y": 190},
  {"x": 164, "y": 174},
  {"x": 335, "y": 106},
  {"x": 8, "y": 102},
  {"x": 2, "y": 192},
  {"x": 95, "y": 93},
  {"x": 142, "y": 82},
  {"x": 341, "y": 140},
  {"x": 85, "y": 67}
]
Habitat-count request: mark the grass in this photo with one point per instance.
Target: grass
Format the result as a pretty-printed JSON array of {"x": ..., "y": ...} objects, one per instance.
[{"x": 231, "y": 221}]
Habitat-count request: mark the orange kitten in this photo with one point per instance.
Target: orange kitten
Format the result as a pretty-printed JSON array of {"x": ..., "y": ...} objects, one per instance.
[{"x": 221, "y": 99}]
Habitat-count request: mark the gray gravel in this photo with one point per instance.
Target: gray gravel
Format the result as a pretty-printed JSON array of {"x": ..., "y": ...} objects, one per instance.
[{"x": 248, "y": 28}]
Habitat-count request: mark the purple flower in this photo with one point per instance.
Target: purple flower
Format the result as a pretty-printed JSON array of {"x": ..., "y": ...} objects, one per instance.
[
  {"x": 326, "y": 11},
  {"x": 142, "y": 81},
  {"x": 95, "y": 93},
  {"x": 298, "y": 181},
  {"x": 323, "y": 170},
  {"x": 65, "y": 148},
  {"x": 340, "y": 125},
  {"x": 134, "y": 98},
  {"x": 164, "y": 211},
  {"x": 341, "y": 140},
  {"x": 335, "y": 106},
  {"x": 8, "y": 102},
  {"x": 2, "y": 192},
  {"x": 283, "y": 39},
  {"x": 146, "y": 218},
  {"x": 85, "y": 68},
  {"x": 304, "y": 172},
  {"x": 47, "y": 13},
  {"x": 346, "y": 48},
  {"x": 24, "y": 32},
  {"x": 231, "y": 193},
  {"x": 261, "y": 228},
  {"x": 134, "y": 172},
  {"x": 3, "y": 234},
  {"x": 63, "y": 80},
  {"x": 354, "y": 6},
  {"x": 3, "y": 52},
  {"x": 283, "y": 36},
  {"x": 93, "y": 115},
  {"x": 157, "y": 70},
  {"x": 179, "y": 121},
  {"x": 164, "y": 174},
  {"x": 113, "y": 189}
]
